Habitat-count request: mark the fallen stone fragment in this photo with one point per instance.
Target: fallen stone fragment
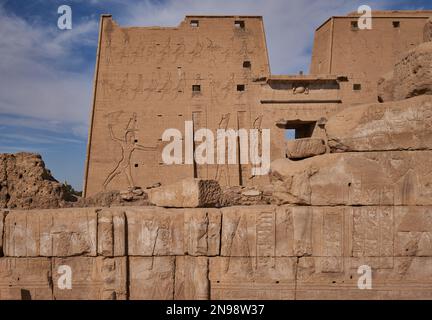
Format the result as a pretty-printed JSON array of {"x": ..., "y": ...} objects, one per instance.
[
  {"x": 187, "y": 193},
  {"x": 395, "y": 125},
  {"x": 304, "y": 148}
]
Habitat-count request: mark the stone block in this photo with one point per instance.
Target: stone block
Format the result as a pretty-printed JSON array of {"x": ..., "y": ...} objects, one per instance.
[
  {"x": 392, "y": 278},
  {"x": 397, "y": 125},
  {"x": 258, "y": 278},
  {"x": 191, "y": 278},
  {"x": 25, "y": 279},
  {"x": 156, "y": 231},
  {"x": 360, "y": 178},
  {"x": 151, "y": 278},
  {"x": 187, "y": 193},
  {"x": 112, "y": 232},
  {"x": 304, "y": 148},
  {"x": 48, "y": 233},
  {"x": 93, "y": 278},
  {"x": 2, "y": 218}
]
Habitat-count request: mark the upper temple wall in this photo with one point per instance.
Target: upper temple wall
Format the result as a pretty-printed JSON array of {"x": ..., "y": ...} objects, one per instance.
[
  {"x": 366, "y": 55},
  {"x": 152, "y": 79}
]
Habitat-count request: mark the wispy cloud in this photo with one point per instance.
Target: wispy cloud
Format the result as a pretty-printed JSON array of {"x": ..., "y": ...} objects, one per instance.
[{"x": 37, "y": 80}]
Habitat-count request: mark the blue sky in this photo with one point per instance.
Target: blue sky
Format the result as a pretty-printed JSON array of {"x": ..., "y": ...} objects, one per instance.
[{"x": 46, "y": 73}]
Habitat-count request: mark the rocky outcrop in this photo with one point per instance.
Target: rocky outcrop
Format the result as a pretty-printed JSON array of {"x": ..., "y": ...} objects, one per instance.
[
  {"x": 397, "y": 125},
  {"x": 412, "y": 75},
  {"x": 26, "y": 183}
]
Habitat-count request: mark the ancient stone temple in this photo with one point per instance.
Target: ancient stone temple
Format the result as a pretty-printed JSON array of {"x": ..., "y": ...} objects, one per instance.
[
  {"x": 344, "y": 213},
  {"x": 215, "y": 72}
]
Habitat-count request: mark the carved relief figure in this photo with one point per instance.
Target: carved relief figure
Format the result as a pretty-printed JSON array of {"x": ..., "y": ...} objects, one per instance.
[
  {"x": 196, "y": 51},
  {"x": 180, "y": 50},
  {"x": 223, "y": 169},
  {"x": 212, "y": 49},
  {"x": 128, "y": 145},
  {"x": 229, "y": 86},
  {"x": 181, "y": 85}
]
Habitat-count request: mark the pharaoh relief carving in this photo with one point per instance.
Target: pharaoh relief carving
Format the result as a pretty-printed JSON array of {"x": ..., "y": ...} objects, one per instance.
[
  {"x": 222, "y": 171},
  {"x": 164, "y": 51},
  {"x": 152, "y": 86},
  {"x": 244, "y": 50},
  {"x": 181, "y": 85},
  {"x": 196, "y": 51},
  {"x": 211, "y": 49},
  {"x": 214, "y": 86},
  {"x": 166, "y": 86},
  {"x": 128, "y": 145},
  {"x": 228, "y": 87},
  {"x": 179, "y": 51}
]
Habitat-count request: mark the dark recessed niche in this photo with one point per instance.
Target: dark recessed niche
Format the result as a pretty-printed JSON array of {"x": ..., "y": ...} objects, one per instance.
[
  {"x": 239, "y": 24},
  {"x": 240, "y": 87},
  {"x": 247, "y": 64}
]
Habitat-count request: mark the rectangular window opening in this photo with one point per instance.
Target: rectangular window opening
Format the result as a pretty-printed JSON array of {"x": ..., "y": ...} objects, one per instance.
[
  {"x": 194, "y": 23},
  {"x": 247, "y": 64},
  {"x": 354, "y": 25},
  {"x": 196, "y": 88},
  {"x": 356, "y": 86},
  {"x": 240, "y": 87},
  {"x": 396, "y": 24},
  {"x": 239, "y": 24}
]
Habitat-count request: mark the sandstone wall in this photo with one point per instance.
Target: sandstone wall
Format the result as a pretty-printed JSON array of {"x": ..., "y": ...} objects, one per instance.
[{"x": 255, "y": 252}]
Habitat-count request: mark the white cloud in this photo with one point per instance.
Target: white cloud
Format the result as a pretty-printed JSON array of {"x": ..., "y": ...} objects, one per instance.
[{"x": 35, "y": 79}]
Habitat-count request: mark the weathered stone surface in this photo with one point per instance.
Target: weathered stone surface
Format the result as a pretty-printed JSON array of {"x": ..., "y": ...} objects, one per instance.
[
  {"x": 304, "y": 148},
  {"x": 412, "y": 75},
  {"x": 398, "y": 125},
  {"x": 392, "y": 278},
  {"x": 427, "y": 31},
  {"x": 187, "y": 193},
  {"x": 237, "y": 196},
  {"x": 361, "y": 178},
  {"x": 158, "y": 231},
  {"x": 111, "y": 232},
  {"x": 93, "y": 278},
  {"x": 65, "y": 232},
  {"x": 366, "y": 231},
  {"x": 191, "y": 278},
  {"x": 385, "y": 85},
  {"x": 413, "y": 231},
  {"x": 2, "y": 218},
  {"x": 252, "y": 278},
  {"x": 25, "y": 279},
  {"x": 25, "y": 183},
  {"x": 151, "y": 278},
  {"x": 266, "y": 231}
]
